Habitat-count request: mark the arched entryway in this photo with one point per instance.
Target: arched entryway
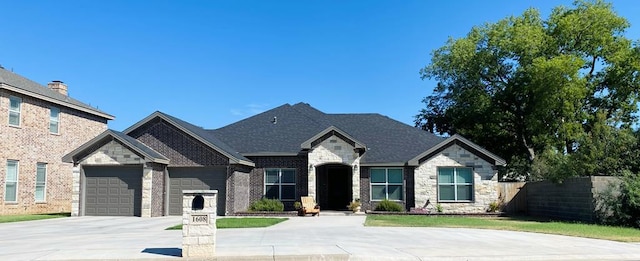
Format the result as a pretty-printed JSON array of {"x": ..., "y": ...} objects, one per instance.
[{"x": 334, "y": 186}]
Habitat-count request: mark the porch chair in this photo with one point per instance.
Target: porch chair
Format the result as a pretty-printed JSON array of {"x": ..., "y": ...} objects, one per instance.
[{"x": 309, "y": 206}]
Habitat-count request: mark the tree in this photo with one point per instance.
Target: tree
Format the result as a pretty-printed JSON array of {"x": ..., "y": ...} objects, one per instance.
[{"x": 525, "y": 86}]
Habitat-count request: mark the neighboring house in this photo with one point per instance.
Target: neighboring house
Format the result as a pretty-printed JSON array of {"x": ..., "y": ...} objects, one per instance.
[
  {"x": 38, "y": 126},
  {"x": 284, "y": 153}
]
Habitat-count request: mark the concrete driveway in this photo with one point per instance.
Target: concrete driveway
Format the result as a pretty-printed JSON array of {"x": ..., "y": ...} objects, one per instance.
[{"x": 325, "y": 237}]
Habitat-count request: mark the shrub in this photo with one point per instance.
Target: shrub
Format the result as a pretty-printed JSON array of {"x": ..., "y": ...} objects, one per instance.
[
  {"x": 390, "y": 206},
  {"x": 266, "y": 204},
  {"x": 620, "y": 203},
  {"x": 494, "y": 207},
  {"x": 439, "y": 208}
]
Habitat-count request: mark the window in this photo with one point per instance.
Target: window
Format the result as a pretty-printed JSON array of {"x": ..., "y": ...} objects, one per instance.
[
  {"x": 14, "y": 110},
  {"x": 41, "y": 181},
  {"x": 455, "y": 184},
  {"x": 280, "y": 184},
  {"x": 11, "y": 182},
  {"x": 54, "y": 120},
  {"x": 386, "y": 184}
]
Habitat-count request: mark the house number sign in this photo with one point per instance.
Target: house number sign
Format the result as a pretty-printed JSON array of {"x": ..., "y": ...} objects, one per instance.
[{"x": 199, "y": 219}]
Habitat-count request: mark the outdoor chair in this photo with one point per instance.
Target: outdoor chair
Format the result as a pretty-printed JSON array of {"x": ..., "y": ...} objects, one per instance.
[{"x": 309, "y": 206}]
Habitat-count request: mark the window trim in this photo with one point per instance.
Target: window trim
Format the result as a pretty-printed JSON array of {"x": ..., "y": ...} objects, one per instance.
[
  {"x": 386, "y": 185},
  {"x": 18, "y": 111},
  {"x": 57, "y": 120},
  {"x": 280, "y": 184},
  {"x": 455, "y": 185},
  {"x": 44, "y": 185},
  {"x": 6, "y": 181}
]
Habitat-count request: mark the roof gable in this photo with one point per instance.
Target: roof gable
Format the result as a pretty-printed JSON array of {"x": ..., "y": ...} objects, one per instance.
[
  {"x": 198, "y": 133},
  {"x": 327, "y": 133},
  {"x": 130, "y": 143},
  {"x": 461, "y": 141},
  {"x": 22, "y": 85}
]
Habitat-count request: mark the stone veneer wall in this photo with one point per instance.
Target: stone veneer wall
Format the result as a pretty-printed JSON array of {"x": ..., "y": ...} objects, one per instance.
[
  {"x": 485, "y": 180},
  {"x": 256, "y": 178},
  {"x": 334, "y": 150},
  {"x": 32, "y": 143}
]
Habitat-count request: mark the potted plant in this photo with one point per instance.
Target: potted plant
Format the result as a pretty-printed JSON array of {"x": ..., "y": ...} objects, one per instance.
[{"x": 354, "y": 205}]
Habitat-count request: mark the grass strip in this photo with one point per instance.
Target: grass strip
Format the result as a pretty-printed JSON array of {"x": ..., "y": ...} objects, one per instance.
[
  {"x": 28, "y": 217},
  {"x": 241, "y": 223},
  {"x": 622, "y": 234}
]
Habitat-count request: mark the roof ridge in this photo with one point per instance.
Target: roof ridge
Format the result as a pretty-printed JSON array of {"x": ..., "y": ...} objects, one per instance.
[{"x": 35, "y": 89}]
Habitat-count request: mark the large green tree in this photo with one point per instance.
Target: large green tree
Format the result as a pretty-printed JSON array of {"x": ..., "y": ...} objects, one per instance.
[{"x": 525, "y": 86}]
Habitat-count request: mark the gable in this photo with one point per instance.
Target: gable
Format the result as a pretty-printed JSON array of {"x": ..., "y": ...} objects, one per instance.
[
  {"x": 457, "y": 140},
  {"x": 181, "y": 148},
  {"x": 332, "y": 132},
  {"x": 166, "y": 132},
  {"x": 112, "y": 153}
]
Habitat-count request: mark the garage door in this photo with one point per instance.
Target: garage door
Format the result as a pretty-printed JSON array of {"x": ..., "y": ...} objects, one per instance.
[
  {"x": 196, "y": 178},
  {"x": 113, "y": 191}
]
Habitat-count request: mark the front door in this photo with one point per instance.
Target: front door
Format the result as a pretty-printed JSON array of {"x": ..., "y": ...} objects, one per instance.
[{"x": 334, "y": 187}]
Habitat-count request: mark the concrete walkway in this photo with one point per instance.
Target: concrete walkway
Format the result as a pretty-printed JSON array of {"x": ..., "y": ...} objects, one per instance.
[{"x": 317, "y": 238}]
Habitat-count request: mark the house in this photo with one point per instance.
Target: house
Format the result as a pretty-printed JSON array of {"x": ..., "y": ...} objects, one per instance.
[
  {"x": 284, "y": 153},
  {"x": 40, "y": 125}
]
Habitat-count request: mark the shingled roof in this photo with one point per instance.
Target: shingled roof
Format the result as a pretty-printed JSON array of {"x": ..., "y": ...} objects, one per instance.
[
  {"x": 282, "y": 130},
  {"x": 14, "y": 82}
]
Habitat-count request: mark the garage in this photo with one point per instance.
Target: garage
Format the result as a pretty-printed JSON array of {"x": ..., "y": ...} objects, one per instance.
[
  {"x": 112, "y": 190},
  {"x": 188, "y": 178}
]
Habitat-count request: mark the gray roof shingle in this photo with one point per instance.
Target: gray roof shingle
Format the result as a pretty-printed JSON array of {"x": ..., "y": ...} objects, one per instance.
[
  {"x": 387, "y": 140},
  {"x": 31, "y": 87}
]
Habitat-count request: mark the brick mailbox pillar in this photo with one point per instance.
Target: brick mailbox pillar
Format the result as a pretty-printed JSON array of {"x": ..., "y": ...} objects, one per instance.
[{"x": 199, "y": 223}]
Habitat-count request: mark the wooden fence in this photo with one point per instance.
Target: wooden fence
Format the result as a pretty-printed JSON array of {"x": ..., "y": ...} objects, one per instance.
[{"x": 513, "y": 197}]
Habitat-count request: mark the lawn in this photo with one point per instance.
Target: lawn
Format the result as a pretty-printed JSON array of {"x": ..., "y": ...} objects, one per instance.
[
  {"x": 622, "y": 234},
  {"x": 241, "y": 222},
  {"x": 17, "y": 218}
]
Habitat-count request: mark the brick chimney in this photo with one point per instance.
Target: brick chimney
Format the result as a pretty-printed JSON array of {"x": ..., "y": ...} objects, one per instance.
[{"x": 58, "y": 86}]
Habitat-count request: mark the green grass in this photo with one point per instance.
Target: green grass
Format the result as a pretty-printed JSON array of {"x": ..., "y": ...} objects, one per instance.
[
  {"x": 622, "y": 234},
  {"x": 241, "y": 223},
  {"x": 27, "y": 217}
]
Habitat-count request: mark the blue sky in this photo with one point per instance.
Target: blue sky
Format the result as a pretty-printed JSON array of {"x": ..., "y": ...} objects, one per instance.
[{"x": 216, "y": 62}]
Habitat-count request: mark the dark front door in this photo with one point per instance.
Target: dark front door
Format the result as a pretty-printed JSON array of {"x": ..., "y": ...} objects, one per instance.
[{"x": 334, "y": 187}]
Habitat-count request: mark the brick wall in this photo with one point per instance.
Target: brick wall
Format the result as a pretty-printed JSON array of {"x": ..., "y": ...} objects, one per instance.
[
  {"x": 365, "y": 188},
  {"x": 32, "y": 143},
  {"x": 158, "y": 190},
  {"x": 256, "y": 178},
  {"x": 181, "y": 149},
  {"x": 238, "y": 186}
]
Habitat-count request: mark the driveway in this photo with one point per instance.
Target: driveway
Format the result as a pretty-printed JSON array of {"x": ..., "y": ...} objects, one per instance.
[{"x": 325, "y": 237}]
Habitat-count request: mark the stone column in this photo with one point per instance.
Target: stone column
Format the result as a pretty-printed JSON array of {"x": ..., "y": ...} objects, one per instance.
[
  {"x": 199, "y": 223},
  {"x": 75, "y": 194},
  {"x": 147, "y": 184}
]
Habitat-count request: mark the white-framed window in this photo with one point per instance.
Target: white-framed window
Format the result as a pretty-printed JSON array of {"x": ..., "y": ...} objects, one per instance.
[
  {"x": 386, "y": 183},
  {"x": 41, "y": 182},
  {"x": 11, "y": 182},
  {"x": 280, "y": 184},
  {"x": 54, "y": 120},
  {"x": 455, "y": 184},
  {"x": 15, "y": 105}
]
